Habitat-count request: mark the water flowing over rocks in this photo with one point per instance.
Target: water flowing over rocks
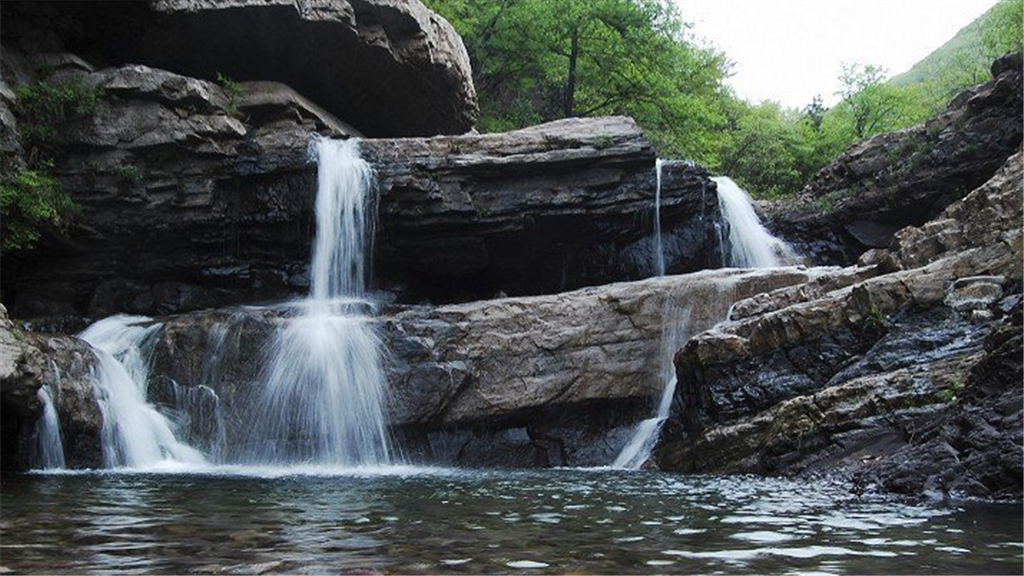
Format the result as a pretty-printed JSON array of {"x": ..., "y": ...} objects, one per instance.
[
  {"x": 185, "y": 206},
  {"x": 554, "y": 379},
  {"x": 875, "y": 369},
  {"x": 391, "y": 68},
  {"x": 905, "y": 178},
  {"x": 29, "y": 361}
]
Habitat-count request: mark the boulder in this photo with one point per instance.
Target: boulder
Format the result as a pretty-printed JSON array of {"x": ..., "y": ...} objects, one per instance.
[
  {"x": 388, "y": 67},
  {"x": 29, "y": 361},
  {"x": 905, "y": 178}
]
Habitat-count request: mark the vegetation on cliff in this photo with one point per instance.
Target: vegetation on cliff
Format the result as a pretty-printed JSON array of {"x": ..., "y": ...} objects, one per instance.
[
  {"x": 31, "y": 198},
  {"x": 535, "y": 60}
]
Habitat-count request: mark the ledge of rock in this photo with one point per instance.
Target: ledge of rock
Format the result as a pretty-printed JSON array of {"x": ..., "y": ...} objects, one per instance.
[
  {"x": 556, "y": 379},
  {"x": 388, "y": 67},
  {"x": 906, "y": 178},
  {"x": 857, "y": 370},
  {"x": 193, "y": 198}
]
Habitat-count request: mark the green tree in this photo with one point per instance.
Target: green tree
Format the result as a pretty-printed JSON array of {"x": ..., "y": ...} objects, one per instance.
[
  {"x": 1004, "y": 29},
  {"x": 539, "y": 60}
]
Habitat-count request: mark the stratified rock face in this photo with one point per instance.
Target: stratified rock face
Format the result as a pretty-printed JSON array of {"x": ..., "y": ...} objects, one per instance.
[
  {"x": 554, "y": 379},
  {"x": 187, "y": 194},
  {"x": 906, "y": 178},
  {"x": 65, "y": 364},
  {"x": 192, "y": 197},
  {"x": 545, "y": 209},
  {"x": 864, "y": 369},
  {"x": 388, "y": 67}
]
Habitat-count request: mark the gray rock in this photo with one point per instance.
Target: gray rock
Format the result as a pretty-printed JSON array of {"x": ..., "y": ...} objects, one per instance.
[{"x": 388, "y": 67}]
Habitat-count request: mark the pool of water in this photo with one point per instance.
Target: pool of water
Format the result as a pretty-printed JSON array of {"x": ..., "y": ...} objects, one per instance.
[{"x": 404, "y": 520}]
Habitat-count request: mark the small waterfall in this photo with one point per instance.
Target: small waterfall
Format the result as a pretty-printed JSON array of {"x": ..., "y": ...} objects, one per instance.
[
  {"x": 134, "y": 433},
  {"x": 645, "y": 435},
  {"x": 751, "y": 245},
  {"x": 324, "y": 395},
  {"x": 49, "y": 447},
  {"x": 659, "y": 248}
]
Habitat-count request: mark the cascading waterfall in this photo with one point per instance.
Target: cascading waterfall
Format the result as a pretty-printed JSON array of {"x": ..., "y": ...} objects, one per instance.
[
  {"x": 49, "y": 447},
  {"x": 323, "y": 401},
  {"x": 750, "y": 244},
  {"x": 659, "y": 248},
  {"x": 676, "y": 330},
  {"x": 134, "y": 434}
]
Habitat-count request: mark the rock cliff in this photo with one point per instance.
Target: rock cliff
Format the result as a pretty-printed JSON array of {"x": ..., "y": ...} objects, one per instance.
[
  {"x": 852, "y": 371},
  {"x": 388, "y": 67},
  {"x": 906, "y": 178},
  {"x": 192, "y": 196}
]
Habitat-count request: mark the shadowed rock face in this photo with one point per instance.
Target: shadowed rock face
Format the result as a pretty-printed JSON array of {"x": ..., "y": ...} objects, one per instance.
[
  {"x": 389, "y": 67},
  {"x": 888, "y": 372},
  {"x": 906, "y": 178},
  {"x": 186, "y": 204}
]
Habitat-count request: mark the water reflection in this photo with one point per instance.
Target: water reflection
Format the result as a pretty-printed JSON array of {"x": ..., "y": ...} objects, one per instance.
[{"x": 471, "y": 522}]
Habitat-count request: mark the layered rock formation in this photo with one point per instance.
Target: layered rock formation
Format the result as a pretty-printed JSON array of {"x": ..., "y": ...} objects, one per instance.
[
  {"x": 848, "y": 370},
  {"x": 906, "y": 178},
  {"x": 554, "y": 379},
  {"x": 390, "y": 68},
  {"x": 194, "y": 197}
]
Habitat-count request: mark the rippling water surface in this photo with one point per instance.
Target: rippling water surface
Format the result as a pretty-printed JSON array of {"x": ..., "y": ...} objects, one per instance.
[{"x": 415, "y": 521}]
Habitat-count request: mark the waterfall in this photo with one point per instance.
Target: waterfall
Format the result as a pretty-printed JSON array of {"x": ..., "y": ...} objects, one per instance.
[
  {"x": 49, "y": 447},
  {"x": 324, "y": 386},
  {"x": 751, "y": 245},
  {"x": 675, "y": 331},
  {"x": 134, "y": 433},
  {"x": 659, "y": 248}
]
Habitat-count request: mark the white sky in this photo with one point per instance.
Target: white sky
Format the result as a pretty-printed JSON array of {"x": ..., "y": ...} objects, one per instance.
[{"x": 790, "y": 50}]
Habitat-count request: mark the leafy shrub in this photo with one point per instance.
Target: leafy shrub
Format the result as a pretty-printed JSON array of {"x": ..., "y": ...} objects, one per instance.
[{"x": 30, "y": 201}]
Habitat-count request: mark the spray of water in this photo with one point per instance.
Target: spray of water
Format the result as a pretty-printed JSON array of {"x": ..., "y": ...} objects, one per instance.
[
  {"x": 750, "y": 244},
  {"x": 49, "y": 447},
  {"x": 675, "y": 331},
  {"x": 135, "y": 434},
  {"x": 659, "y": 248},
  {"x": 324, "y": 394}
]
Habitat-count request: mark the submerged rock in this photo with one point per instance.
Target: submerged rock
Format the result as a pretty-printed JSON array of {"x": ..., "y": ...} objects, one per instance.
[
  {"x": 886, "y": 372},
  {"x": 906, "y": 178},
  {"x": 390, "y": 68}
]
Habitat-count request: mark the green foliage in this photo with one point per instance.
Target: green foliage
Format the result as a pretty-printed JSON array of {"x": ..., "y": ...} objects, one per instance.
[
  {"x": 129, "y": 172},
  {"x": 234, "y": 90},
  {"x": 30, "y": 201},
  {"x": 876, "y": 320},
  {"x": 44, "y": 111},
  {"x": 537, "y": 60}
]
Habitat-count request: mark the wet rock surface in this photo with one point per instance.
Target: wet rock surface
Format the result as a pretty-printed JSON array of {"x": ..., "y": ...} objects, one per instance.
[
  {"x": 906, "y": 178},
  {"x": 868, "y": 371},
  {"x": 555, "y": 379},
  {"x": 185, "y": 205},
  {"x": 29, "y": 361},
  {"x": 390, "y": 68}
]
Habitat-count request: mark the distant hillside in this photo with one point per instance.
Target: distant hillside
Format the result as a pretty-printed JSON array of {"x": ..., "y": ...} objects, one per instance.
[{"x": 964, "y": 60}]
